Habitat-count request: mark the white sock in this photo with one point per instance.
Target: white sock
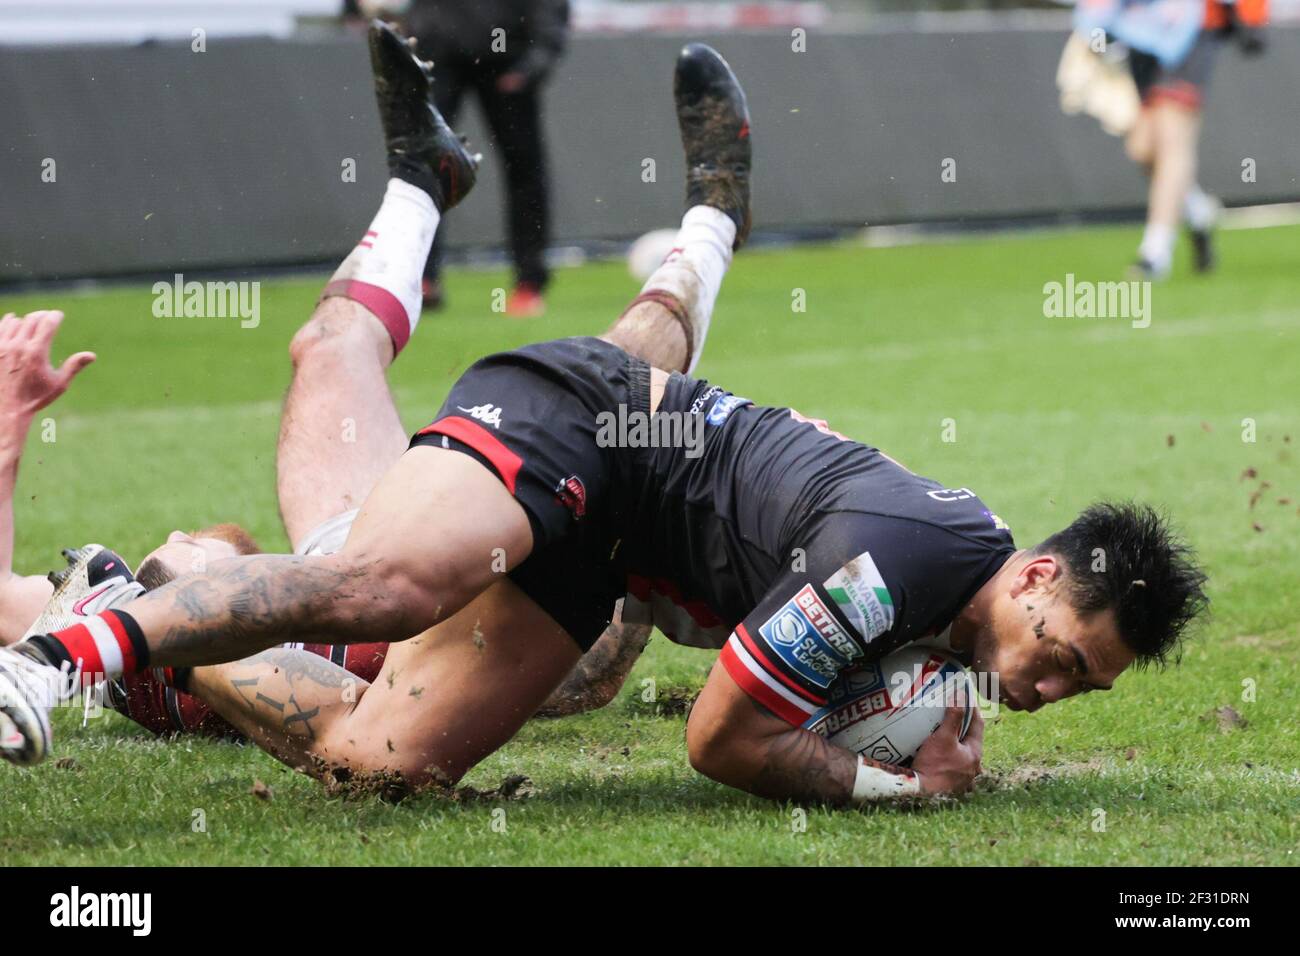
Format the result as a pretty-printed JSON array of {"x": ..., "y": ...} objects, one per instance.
[
  {"x": 1157, "y": 247},
  {"x": 692, "y": 273},
  {"x": 1200, "y": 209},
  {"x": 383, "y": 272}
]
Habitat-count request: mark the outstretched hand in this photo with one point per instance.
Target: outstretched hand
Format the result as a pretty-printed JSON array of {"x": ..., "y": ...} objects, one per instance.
[{"x": 28, "y": 382}]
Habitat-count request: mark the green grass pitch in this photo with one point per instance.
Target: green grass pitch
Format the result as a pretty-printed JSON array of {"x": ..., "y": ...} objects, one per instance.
[{"x": 175, "y": 427}]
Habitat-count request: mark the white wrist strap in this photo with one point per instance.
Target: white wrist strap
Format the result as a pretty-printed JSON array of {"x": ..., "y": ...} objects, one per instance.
[{"x": 873, "y": 784}]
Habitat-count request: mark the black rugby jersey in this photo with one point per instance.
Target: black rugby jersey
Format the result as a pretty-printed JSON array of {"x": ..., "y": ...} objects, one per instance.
[{"x": 800, "y": 550}]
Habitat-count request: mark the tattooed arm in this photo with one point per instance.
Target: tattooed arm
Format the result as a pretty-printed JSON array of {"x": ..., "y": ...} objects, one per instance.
[
  {"x": 735, "y": 740},
  {"x": 287, "y": 701},
  {"x": 241, "y": 606},
  {"x": 599, "y": 675}
]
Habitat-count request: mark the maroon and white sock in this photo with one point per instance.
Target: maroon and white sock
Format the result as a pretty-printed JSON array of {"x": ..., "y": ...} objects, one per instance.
[
  {"x": 105, "y": 647},
  {"x": 692, "y": 272},
  {"x": 383, "y": 272}
]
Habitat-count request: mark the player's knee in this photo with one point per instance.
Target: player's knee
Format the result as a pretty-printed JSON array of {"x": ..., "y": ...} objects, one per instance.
[
  {"x": 347, "y": 761},
  {"x": 310, "y": 340},
  {"x": 1138, "y": 148},
  {"x": 338, "y": 329}
]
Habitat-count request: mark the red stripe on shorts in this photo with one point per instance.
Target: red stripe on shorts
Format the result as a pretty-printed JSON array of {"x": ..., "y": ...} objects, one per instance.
[{"x": 506, "y": 462}]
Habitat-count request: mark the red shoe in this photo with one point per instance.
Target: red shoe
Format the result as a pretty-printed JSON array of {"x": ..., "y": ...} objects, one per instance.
[{"x": 525, "y": 302}]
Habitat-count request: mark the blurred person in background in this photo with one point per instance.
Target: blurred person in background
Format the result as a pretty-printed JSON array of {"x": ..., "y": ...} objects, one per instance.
[
  {"x": 1172, "y": 47},
  {"x": 503, "y": 51}
]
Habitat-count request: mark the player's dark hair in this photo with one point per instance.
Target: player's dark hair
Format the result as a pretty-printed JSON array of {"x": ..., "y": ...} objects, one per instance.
[{"x": 1126, "y": 557}]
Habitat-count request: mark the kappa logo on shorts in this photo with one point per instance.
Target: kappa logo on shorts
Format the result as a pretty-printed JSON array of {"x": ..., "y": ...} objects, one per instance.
[
  {"x": 859, "y": 591},
  {"x": 572, "y": 493},
  {"x": 487, "y": 414},
  {"x": 807, "y": 638}
]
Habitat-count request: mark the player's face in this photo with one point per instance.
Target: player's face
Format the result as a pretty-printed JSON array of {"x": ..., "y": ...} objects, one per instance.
[
  {"x": 1041, "y": 648},
  {"x": 185, "y": 554}
]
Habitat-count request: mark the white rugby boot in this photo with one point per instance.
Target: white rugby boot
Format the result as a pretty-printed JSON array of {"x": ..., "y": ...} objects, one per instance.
[
  {"x": 95, "y": 580},
  {"x": 29, "y": 690},
  {"x": 30, "y": 687}
]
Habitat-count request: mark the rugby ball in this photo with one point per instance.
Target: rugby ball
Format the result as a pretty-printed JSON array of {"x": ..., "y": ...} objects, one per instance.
[
  {"x": 886, "y": 710},
  {"x": 649, "y": 252}
]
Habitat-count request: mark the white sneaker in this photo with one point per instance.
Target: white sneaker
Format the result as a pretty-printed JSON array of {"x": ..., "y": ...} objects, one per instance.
[
  {"x": 10, "y": 738},
  {"x": 29, "y": 690},
  {"x": 95, "y": 580}
]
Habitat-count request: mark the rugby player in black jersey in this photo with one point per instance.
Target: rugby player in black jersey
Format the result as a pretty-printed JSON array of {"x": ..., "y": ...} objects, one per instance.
[{"x": 537, "y": 499}]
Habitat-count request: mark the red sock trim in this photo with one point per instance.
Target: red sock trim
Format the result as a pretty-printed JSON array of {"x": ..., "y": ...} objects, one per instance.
[
  {"x": 1178, "y": 92},
  {"x": 381, "y": 303},
  {"x": 129, "y": 663},
  {"x": 82, "y": 650}
]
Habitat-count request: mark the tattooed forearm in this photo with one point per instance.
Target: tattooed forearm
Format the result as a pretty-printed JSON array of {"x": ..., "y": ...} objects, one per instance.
[
  {"x": 270, "y": 709},
  {"x": 299, "y": 664},
  {"x": 195, "y": 599},
  {"x": 300, "y": 716},
  {"x": 800, "y": 765},
  {"x": 283, "y": 688},
  {"x": 291, "y": 702},
  {"x": 599, "y": 675},
  {"x": 242, "y": 605}
]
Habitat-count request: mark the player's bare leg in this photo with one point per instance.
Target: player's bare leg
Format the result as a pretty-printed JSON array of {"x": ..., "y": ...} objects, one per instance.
[
  {"x": 443, "y": 701},
  {"x": 1139, "y": 142},
  {"x": 339, "y": 431},
  {"x": 667, "y": 323},
  {"x": 1175, "y": 128},
  {"x": 1164, "y": 143},
  {"x": 384, "y": 584}
]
